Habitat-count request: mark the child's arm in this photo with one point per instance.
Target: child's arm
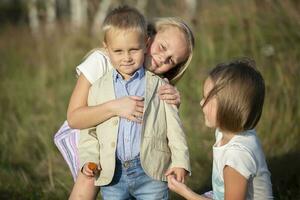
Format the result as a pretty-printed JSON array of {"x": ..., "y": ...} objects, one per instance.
[
  {"x": 183, "y": 190},
  {"x": 81, "y": 116},
  {"x": 235, "y": 185},
  {"x": 180, "y": 164}
]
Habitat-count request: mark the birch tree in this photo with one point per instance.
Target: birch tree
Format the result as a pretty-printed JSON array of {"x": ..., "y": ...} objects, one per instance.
[
  {"x": 78, "y": 13},
  {"x": 51, "y": 15},
  {"x": 100, "y": 15},
  {"x": 33, "y": 16},
  {"x": 191, "y": 6}
]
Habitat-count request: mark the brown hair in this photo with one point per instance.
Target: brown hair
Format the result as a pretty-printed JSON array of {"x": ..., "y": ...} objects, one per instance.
[
  {"x": 124, "y": 17},
  {"x": 240, "y": 90},
  {"x": 159, "y": 25}
]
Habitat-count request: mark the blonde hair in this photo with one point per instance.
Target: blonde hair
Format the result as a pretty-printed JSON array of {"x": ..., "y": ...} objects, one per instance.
[
  {"x": 124, "y": 17},
  {"x": 161, "y": 24},
  {"x": 240, "y": 90}
]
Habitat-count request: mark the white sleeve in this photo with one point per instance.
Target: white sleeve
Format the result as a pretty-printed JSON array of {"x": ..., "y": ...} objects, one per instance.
[
  {"x": 94, "y": 66},
  {"x": 241, "y": 160}
]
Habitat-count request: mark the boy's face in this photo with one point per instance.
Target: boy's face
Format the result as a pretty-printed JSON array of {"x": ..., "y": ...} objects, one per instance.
[
  {"x": 211, "y": 106},
  {"x": 126, "y": 49}
]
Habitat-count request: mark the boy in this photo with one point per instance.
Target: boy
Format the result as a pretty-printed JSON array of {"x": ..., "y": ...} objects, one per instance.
[{"x": 133, "y": 156}]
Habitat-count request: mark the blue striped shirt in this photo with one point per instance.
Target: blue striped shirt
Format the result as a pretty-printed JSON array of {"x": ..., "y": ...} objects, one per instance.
[{"x": 129, "y": 134}]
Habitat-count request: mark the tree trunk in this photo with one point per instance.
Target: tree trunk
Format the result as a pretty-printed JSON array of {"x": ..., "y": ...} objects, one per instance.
[
  {"x": 191, "y": 6},
  {"x": 78, "y": 13},
  {"x": 100, "y": 15},
  {"x": 51, "y": 15},
  {"x": 33, "y": 16}
]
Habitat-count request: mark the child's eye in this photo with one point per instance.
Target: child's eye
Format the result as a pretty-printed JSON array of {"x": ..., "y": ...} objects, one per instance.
[
  {"x": 171, "y": 61},
  {"x": 162, "y": 47},
  {"x": 117, "y": 51},
  {"x": 134, "y": 50}
]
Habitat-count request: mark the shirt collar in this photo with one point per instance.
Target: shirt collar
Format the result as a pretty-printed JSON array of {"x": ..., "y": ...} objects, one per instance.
[{"x": 138, "y": 74}]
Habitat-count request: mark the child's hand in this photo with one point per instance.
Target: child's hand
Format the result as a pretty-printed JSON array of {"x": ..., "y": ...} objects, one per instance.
[
  {"x": 182, "y": 189},
  {"x": 176, "y": 186},
  {"x": 169, "y": 93},
  {"x": 91, "y": 169},
  {"x": 178, "y": 173},
  {"x": 129, "y": 107}
]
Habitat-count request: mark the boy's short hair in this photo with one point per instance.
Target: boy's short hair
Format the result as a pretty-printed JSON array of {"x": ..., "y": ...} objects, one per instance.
[
  {"x": 124, "y": 17},
  {"x": 240, "y": 90}
]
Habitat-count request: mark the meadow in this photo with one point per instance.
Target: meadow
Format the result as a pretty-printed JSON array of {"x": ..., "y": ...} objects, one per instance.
[{"x": 38, "y": 74}]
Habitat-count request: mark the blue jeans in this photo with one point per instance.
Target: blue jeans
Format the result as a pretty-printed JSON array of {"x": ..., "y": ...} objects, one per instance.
[{"x": 130, "y": 182}]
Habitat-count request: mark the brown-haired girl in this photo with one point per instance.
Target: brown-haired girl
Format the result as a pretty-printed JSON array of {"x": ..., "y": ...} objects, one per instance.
[{"x": 233, "y": 98}]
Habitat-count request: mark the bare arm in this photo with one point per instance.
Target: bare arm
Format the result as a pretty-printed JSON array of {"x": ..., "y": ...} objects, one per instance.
[
  {"x": 183, "y": 190},
  {"x": 81, "y": 116},
  {"x": 235, "y": 184}
]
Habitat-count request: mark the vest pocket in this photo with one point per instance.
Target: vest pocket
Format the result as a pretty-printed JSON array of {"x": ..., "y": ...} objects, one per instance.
[{"x": 161, "y": 146}]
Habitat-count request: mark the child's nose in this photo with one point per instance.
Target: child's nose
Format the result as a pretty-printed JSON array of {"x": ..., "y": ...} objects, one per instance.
[{"x": 127, "y": 57}]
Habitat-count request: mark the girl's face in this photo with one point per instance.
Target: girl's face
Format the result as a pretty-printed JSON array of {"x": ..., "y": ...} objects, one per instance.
[
  {"x": 211, "y": 106},
  {"x": 168, "y": 49}
]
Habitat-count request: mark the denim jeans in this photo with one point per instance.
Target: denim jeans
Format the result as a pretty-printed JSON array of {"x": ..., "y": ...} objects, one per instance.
[{"x": 131, "y": 182}]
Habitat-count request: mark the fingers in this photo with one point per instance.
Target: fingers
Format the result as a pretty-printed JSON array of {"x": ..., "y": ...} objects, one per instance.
[
  {"x": 135, "y": 119},
  {"x": 86, "y": 171},
  {"x": 137, "y": 98},
  {"x": 169, "y": 94},
  {"x": 173, "y": 184},
  {"x": 139, "y": 107},
  {"x": 167, "y": 80},
  {"x": 169, "y": 172},
  {"x": 167, "y": 89},
  {"x": 91, "y": 169},
  {"x": 137, "y": 114},
  {"x": 180, "y": 176}
]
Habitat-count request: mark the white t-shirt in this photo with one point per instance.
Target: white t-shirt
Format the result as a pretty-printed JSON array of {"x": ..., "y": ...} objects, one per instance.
[
  {"x": 244, "y": 154},
  {"x": 94, "y": 66}
]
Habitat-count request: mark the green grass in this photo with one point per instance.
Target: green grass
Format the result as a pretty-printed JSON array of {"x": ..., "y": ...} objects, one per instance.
[{"x": 37, "y": 76}]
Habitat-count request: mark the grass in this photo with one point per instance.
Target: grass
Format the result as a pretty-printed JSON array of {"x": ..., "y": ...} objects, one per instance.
[{"x": 37, "y": 77}]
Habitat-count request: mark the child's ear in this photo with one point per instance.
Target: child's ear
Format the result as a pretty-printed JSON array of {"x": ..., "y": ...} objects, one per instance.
[{"x": 104, "y": 45}]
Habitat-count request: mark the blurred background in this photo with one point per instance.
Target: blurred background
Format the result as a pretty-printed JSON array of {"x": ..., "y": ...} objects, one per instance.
[{"x": 41, "y": 42}]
